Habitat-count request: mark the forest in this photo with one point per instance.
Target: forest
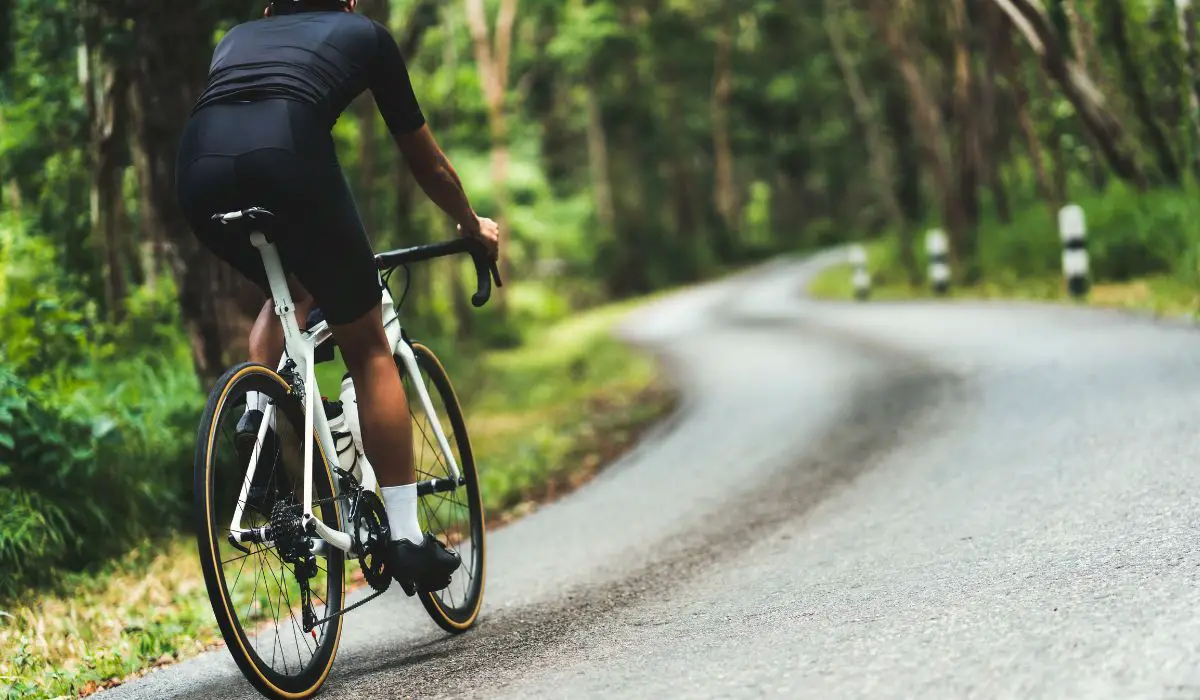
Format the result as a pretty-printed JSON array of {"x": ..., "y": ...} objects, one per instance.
[{"x": 625, "y": 147}]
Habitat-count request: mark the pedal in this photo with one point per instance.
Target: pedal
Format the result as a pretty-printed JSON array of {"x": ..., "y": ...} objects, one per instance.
[{"x": 408, "y": 587}]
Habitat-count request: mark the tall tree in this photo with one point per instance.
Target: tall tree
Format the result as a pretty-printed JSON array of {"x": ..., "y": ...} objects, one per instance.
[
  {"x": 218, "y": 305},
  {"x": 105, "y": 86},
  {"x": 993, "y": 144},
  {"x": 878, "y": 152},
  {"x": 1114, "y": 18},
  {"x": 894, "y": 19},
  {"x": 1187, "y": 36},
  {"x": 493, "y": 51},
  {"x": 1030, "y": 18},
  {"x": 726, "y": 194},
  {"x": 967, "y": 146}
]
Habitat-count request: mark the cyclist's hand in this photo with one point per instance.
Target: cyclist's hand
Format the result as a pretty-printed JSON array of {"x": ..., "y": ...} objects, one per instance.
[{"x": 485, "y": 230}]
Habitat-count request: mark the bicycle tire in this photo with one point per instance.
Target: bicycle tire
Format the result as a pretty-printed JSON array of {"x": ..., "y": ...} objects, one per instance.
[
  {"x": 452, "y": 616},
  {"x": 223, "y": 402}
]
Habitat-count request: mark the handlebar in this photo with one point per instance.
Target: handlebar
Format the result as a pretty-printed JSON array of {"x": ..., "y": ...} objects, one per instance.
[{"x": 485, "y": 267}]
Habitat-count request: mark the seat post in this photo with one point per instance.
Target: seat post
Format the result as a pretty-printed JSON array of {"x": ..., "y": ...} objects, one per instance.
[{"x": 285, "y": 309}]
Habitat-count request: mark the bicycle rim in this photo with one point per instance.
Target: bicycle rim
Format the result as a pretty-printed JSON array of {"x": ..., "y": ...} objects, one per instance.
[
  {"x": 454, "y": 517},
  {"x": 255, "y": 593}
]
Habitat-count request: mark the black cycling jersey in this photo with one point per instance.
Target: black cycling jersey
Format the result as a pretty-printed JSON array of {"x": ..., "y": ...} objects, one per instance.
[{"x": 324, "y": 59}]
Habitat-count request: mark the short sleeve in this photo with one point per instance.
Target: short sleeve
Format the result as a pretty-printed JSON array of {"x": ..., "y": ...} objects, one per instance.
[{"x": 389, "y": 82}]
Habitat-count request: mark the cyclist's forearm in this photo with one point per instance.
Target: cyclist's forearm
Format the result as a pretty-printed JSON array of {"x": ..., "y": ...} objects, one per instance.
[{"x": 441, "y": 184}]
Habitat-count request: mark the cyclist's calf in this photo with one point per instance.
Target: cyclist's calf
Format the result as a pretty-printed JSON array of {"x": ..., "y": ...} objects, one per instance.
[{"x": 380, "y": 394}]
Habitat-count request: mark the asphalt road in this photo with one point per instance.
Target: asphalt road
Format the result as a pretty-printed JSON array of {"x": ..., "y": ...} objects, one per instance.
[{"x": 882, "y": 500}]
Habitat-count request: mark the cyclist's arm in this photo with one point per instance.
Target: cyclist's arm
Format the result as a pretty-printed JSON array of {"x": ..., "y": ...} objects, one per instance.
[
  {"x": 436, "y": 176},
  {"x": 393, "y": 91}
]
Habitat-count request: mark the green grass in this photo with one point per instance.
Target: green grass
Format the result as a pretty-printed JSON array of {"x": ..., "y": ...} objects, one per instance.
[
  {"x": 542, "y": 418},
  {"x": 1160, "y": 294}
]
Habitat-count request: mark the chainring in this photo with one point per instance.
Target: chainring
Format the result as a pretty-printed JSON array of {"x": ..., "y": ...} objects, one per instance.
[{"x": 371, "y": 537}]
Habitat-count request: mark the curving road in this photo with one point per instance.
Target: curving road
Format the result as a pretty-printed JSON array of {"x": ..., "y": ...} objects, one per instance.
[{"x": 882, "y": 500}]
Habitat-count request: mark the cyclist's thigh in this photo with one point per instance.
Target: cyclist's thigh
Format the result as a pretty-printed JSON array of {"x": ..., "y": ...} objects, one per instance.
[
  {"x": 207, "y": 186},
  {"x": 209, "y": 179},
  {"x": 326, "y": 244},
  {"x": 334, "y": 260}
]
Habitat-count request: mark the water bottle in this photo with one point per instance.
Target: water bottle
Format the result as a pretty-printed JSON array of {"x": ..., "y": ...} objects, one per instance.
[
  {"x": 343, "y": 439},
  {"x": 350, "y": 408},
  {"x": 391, "y": 320}
]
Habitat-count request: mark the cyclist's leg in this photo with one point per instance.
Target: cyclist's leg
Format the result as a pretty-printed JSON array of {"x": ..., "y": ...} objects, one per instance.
[
  {"x": 208, "y": 181},
  {"x": 337, "y": 265},
  {"x": 266, "y": 336},
  {"x": 327, "y": 249},
  {"x": 332, "y": 256}
]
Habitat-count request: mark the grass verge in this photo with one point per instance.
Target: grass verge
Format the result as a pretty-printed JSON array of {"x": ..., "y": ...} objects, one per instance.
[
  {"x": 543, "y": 419},
  {"x": 1161, "y": 295}
]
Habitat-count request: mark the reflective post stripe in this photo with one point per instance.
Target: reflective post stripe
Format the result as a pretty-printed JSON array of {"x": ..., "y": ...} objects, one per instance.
[
  {"x": 1072, "y": 230},
  {"x": 862, "y": 278},
  {"x": 937, "y": 247}
]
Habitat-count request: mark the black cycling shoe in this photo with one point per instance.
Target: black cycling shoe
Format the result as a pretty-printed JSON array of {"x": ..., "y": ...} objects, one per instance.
[
  {"x": 425, "y": 567},
  {"x": 247, "y": 433}
]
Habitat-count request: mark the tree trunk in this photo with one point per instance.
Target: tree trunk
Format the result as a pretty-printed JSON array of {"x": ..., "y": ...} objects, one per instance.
[
  {"x": 1135, "y": 88},
  {"x": 725, "y": 195},
  {"x": 1084, "y": 41},
  {"x": 891, "y": 19},
  {"x": 878, "y": 156},
  {"x": 597, "y": 142},
  {"x": 492, "y": 52},
  {"x": 1054, "y": 147},
  {"x": 966, "y": 139},
  {"x": 1187, "y": 35},
  {"x": 1031, "y": 20},
  {"x": 1009, "y": 66},
  {"x": 992, "y": 147},
  {"x": 464, "y": 318},
  {"x": 218, "y": 305},
  {"x": 105, "y": 88}
]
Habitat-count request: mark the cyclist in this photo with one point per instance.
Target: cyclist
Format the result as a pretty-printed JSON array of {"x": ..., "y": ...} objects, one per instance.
[{"x": 260, "y": 135}]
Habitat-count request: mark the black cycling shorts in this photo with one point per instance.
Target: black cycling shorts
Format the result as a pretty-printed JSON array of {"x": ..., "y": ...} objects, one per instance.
[{"x": 279, "y": 154}]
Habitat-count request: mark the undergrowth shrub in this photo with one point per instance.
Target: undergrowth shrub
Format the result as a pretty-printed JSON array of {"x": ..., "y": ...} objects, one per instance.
[
  {"x": 1130, "y": 234},
  {"x": 97, "y": 421}
]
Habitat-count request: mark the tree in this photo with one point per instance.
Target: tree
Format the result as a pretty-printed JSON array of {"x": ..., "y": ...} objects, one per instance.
[
  {"x": 878, "y": 152},
  {"x": 1077, "y": 86},
  {"x": 894, "y": 20},
  {"x": 493, "y": 50}
]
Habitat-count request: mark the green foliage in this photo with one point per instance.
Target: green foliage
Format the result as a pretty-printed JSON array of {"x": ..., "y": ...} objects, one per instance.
[
  {"x": 45, "y": 320},
  {"x": 1130, "y": 235},
  {"x": 95, "y": 420},
  {"x": 1150, "y": 241},
  {"x": 78, "y": 482}
]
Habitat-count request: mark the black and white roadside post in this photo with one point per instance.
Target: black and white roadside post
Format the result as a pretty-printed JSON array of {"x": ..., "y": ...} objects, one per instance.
[
  {"x": 862, "y": 278},
  {"x": 938, "y": 249},
  {"x": 1072, "y": 229}
]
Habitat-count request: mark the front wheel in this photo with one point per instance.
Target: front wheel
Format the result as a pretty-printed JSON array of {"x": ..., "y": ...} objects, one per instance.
[
  {"x": 262, "y": 590},
  {"x": 455, "y": 517}
]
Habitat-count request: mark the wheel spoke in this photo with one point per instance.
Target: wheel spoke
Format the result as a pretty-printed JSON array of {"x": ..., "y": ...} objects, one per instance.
[{"x": 261, "y": 593}]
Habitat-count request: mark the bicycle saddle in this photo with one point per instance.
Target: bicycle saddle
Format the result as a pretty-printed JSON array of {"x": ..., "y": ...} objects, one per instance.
[{"x": 249, "y": 220}]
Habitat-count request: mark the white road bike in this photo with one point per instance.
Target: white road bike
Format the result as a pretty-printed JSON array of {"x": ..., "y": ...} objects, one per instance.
[{"x": 276, "y": 527}]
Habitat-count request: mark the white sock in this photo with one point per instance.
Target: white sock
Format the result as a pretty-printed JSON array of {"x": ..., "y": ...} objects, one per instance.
[
  {"x": 400, "y": 502},
  {"x": 256, "y": 401}
]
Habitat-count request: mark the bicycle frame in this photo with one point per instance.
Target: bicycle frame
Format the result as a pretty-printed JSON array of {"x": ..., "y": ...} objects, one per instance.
[{"x": 300, "y": 347}]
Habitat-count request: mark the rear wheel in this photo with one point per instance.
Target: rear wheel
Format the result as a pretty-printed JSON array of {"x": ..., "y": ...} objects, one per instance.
[
  {"x": 456, "y": 516},
  {"x": 259, "y": 589}
]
